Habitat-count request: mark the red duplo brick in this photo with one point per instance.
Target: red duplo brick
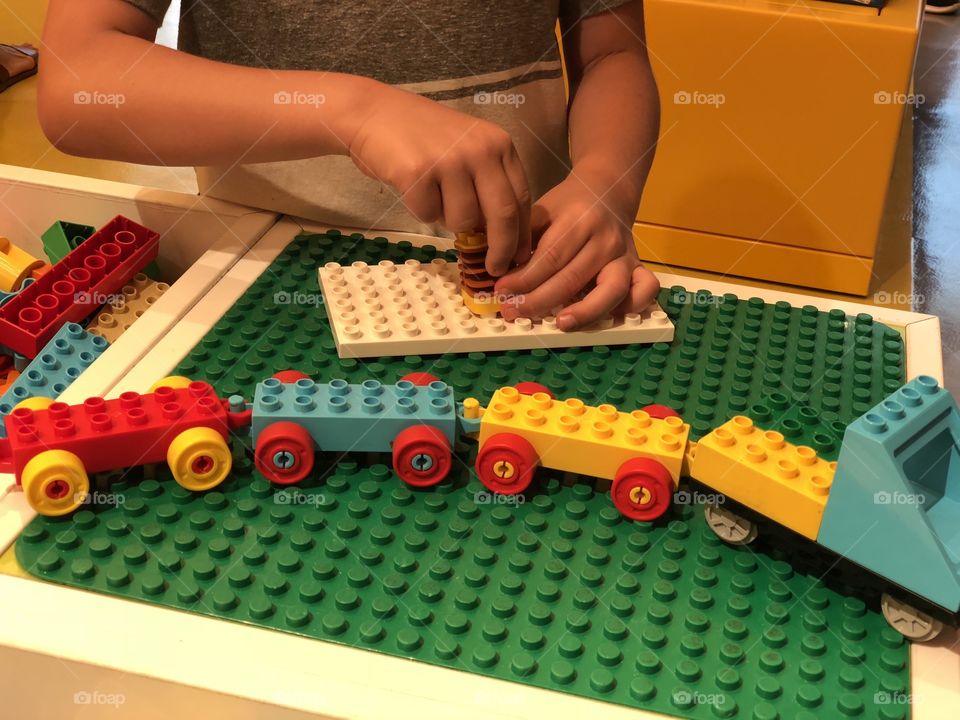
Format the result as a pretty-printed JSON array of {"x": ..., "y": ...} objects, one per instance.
[
  {"x": 76, "y": 285},
  {"x": 127, "y": 431}
]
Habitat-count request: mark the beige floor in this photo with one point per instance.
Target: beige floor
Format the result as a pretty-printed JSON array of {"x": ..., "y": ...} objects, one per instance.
[{"x": 22, "y": 143}]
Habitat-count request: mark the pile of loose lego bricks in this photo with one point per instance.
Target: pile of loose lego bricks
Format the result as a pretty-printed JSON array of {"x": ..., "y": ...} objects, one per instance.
[
  {"x": 57, "y": 317},
  {"x": 557, "y": 591}
]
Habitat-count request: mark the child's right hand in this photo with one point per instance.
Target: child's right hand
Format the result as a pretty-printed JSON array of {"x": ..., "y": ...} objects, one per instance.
[{"x": 449, "y": 167}]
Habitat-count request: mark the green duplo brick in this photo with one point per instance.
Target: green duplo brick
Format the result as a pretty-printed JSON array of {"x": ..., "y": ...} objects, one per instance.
[
  {"x": 62, "y": 237},
  {"x": 556, "y": 590}
]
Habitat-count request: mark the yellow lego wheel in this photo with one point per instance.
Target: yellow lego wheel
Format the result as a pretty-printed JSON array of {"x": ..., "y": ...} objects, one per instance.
[
  {"x": 506, "y": 463},
  {"x": 642, "y": 489},
  {"x": 55, "y": 483},
  {"x": 175, "y": 382},
  {"x": 199, "y": 459},
  {"x": 34, "y": 403}
]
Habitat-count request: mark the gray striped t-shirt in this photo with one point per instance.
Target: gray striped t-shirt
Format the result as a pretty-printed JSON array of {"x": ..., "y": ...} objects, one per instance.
[{"x": 496, "y": 60}]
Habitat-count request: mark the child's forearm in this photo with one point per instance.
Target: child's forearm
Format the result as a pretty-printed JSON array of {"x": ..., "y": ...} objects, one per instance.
[
  {"x": 614, "y": 122},
  {"x": 168, "y": 107},
  {"x": 107, "y": 91}
]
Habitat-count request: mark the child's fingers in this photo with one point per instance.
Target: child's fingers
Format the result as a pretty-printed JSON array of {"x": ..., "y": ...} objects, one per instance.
[
  {"x": 557, "y": 290},
  {"x": 613, "y": 284},
  {"x": 518, "y": 179},
  {"x": 461, "y": 210},
  {"x": 501, "y": 213},
  {"x": 644, "y": 287},
  {"x": 553, "y": 253}
]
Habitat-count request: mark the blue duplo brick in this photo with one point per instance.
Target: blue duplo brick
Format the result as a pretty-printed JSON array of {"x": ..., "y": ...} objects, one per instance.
[
  {"x": 71, "y": 351},
  {"x": 895, "y": 503},
  {"x": 346, "y": 417}
]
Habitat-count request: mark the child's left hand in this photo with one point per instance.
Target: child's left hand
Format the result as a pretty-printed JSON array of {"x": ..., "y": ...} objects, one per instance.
[{"x": 584, "y": 239}]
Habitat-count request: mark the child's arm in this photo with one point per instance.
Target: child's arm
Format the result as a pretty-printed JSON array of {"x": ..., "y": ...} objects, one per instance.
[
  {"x": 106, "y": 90},
  {"x": 585, "y": 223}
]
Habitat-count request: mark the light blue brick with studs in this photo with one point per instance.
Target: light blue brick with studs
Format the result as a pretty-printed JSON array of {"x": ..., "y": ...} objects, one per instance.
[
  {"x": 346, "y": 417},
  {"x": 894, "y": 507},
  {"x": 71, "y": 351}
]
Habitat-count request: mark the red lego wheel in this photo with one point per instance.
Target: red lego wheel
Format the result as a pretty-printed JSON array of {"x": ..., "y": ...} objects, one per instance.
[
  {"x": 284, "y": 453},
  {"x": 420, "y": 378},
  {"x": 506, "y": 463},
  {"x": 642, "y": 489},
  {"x": 528, "y": 387},
  {"x": 661, "y": 412},
  {"x": 421, "y": 455},
  {"x": 290, "y": 376}
]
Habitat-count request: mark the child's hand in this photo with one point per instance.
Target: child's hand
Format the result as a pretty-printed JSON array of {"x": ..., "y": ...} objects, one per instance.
[
  {"x": 449, "y": 167},
  {"x": 583, "y": 240}
]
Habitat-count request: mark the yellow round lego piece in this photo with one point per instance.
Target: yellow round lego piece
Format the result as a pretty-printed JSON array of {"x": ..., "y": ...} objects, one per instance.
[
  {"x": 501, "y": 411},
  {"x": 742, "y": 425},
  {"x": 509, "y": 394},
  {"x": 55, "y": 482},
  {"x": 34, "y": 403},
  {"x": 471, "y": 408},
  {"x": 805, "y": 455},
  {"x": 534, "y": 418},
  {"x": 640, "y": 495},
  {"x": 601, "y": 430},
  {"x": 567, "y": 424},
  {"x": 755, "y": 454},
  {"x": 641, "y": 418},
  {"x": 176, "y": 382},
  {"x": 199, "y": 459},
  {"x": 542, "y": 401}
]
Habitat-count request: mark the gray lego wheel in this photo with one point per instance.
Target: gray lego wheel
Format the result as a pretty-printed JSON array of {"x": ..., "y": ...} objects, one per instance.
[
  {"x": 913, "y": 624},
  {"x": 728, "y": 526}
]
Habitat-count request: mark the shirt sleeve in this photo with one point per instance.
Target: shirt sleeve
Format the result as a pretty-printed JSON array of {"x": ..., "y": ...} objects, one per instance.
[
  {"x": 573, "y": 10},
  {"x": 156, "y": 9}
]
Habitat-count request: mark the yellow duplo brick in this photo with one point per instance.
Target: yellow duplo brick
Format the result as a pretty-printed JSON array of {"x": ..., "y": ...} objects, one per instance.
[
  {"x": 15, "y": 265},
  {"x": 787, "y": 483},
  {"x": 572, "y": 436}
]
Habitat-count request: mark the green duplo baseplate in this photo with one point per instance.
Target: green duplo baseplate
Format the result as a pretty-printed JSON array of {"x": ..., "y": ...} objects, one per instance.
[{"x": 556, "y": 591}]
